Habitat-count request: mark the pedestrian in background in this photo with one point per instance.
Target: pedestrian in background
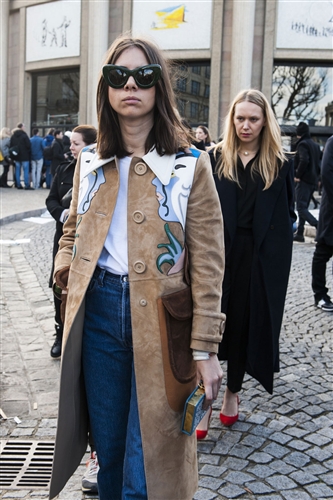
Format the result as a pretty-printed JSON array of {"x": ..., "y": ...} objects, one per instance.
[
  {"x": 307, "y": 171},
  {"x": 37, "y": 149},
  {"x": 47, "y": 142},
  {"x": 202, "y": 134},
  {"x": 135, "y": 197},
  {"x": 58, "y": 155},
  {"x": 21, "y": 143},
  {"x": 5, "y": 135},
  {"x": 324, "y": 246},
  {"x": 255, "y": 184}
]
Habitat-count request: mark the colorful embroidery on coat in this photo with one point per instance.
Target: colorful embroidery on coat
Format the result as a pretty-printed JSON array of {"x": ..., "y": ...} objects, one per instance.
[
  {"x": 173, "y": 200},
  {"x": 89, "y": 186}
]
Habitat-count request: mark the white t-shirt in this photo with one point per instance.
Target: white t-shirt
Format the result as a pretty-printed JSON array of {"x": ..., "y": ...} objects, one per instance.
[{"x": 114, "y": 254}]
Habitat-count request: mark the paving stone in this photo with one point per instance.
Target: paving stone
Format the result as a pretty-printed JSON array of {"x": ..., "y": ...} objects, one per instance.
[
  {"x": 204, "y": 495},
  {"x": 276, "y": 450},
  {"x": 211, "y": 483},
  {"x": 303, "y": 477},
  {"x": 231, "y": 491},
  {"x": 260, "y": 430},
  {"x": 212, "y": 470},
  {"x": 295, "y": 495},
  {"x": 261, "y": 471},
  {"x": 208, "y": 459},
  {"x": 259, "y": 488},
  {"x": 238, "y": 477},
  {"x": 232, "y": 463},
  {"x": 240, "y": 451},
  {"x": 282, "y": 467},
  {"x": 19, "y": 432},
  {"x": 253, "y": 441},
  {"x": 297, "y": 459},
  {"x": 327, "y": 478},
  {"x": 281, "y": 483},
  {"x": 261, "y": 458},
  {"x": 320, "y": 454},
  {"x": 299, "y": 445},
  {"x": 16, "y": 494},
  {"x": 280, "y": 437},
  {"x": 317, "y": 439},
  {"x": 320, "y": 490}
]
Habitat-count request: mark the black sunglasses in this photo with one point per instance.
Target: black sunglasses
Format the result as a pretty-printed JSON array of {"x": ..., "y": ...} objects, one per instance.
[{"x": 145, "y": 76}]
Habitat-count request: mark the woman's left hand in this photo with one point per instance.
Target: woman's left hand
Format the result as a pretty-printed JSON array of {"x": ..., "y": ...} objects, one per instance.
[{"x": 210, "y": 372}]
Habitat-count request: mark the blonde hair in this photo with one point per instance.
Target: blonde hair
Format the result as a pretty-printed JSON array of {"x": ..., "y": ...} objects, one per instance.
[
  {"x": 5, "y": 132},
  {"x": 271, "y": 155}
]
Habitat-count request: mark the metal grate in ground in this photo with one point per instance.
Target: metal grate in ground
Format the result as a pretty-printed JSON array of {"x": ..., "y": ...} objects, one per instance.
[{"x": 25, "y": 464}]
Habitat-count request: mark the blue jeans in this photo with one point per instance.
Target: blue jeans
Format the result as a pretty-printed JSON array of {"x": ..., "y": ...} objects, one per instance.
[
  {"x": 304, "y": 192},
  {"x": 25, "y": 165},
  {"x": 107, "y": 358}
]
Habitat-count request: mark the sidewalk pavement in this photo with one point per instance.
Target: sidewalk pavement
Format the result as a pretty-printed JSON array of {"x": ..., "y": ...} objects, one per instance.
[{"x": 281, "y": 447}]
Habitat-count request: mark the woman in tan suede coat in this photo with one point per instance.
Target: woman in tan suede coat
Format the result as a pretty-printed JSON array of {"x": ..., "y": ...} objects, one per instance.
[{"x": 141, "y": 262}]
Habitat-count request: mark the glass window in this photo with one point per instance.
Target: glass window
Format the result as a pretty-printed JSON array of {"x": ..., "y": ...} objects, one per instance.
[
  {"x": 55, "y": 100},
  {"x": 195, "y": 87},
  {"x": 301, "y": 93},
  {"x": 196, "y": 70},
  {"x": 189, "y": 80},
  {"x": 194, "y": 110},
  {"x": 181, "y": 84}
]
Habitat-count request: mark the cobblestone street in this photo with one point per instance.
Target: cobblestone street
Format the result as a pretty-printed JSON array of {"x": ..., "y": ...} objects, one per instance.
[{"x": 281, "y": 447}]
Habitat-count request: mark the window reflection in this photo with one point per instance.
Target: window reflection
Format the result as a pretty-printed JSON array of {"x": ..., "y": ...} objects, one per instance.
[
  {"x": 55, "y": 99},
  {"x": 192, "y": 89}
]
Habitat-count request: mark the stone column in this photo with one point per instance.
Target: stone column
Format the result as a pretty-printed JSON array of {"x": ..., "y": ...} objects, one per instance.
[
  {"x": 98, "y": 41},
  {"x": 243, "y": 19},
  {"x": 4, "y": 15}
]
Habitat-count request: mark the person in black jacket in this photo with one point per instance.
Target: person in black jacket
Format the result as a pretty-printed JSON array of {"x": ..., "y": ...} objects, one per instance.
[
  {"x": 58, "y": 155},
  {"x": 324, "y": 246},
  {"x": 254, "y": 180},
  {"x": 58, "y": 202},
  {"x": 21, "y": 142},
  {"x": 307, "y": 170}
]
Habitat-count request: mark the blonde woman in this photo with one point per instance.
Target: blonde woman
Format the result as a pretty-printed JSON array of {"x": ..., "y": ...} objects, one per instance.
[
  {"x": 5, "y": 135},
  {"x": 254, "y": 180}
]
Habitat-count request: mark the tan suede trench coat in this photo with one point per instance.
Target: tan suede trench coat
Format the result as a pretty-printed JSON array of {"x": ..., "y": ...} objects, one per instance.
[{"x": 170, "y": 199}]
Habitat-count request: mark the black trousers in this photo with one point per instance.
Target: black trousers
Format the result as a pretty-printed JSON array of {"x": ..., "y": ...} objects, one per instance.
[
  {"x": 321, "y": 256},
  {"x": 236, "y": 306}
]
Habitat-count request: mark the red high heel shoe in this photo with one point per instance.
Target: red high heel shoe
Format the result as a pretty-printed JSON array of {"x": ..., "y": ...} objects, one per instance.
[
  {"x": 202, "y": 433},
  {"x": 227, "y": 420}
]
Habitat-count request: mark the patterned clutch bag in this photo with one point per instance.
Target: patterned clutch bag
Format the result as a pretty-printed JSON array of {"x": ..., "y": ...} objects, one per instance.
[{"x": 193, "y": 411}]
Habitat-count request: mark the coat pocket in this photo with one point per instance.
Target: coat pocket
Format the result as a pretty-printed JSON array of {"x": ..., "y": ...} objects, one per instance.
[{"x": 175, "y": 312}]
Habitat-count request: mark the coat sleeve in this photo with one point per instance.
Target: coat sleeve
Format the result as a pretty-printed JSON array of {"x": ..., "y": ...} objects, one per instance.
[
  {"x": 327, "y": 170},
  {"x": 205, "y": 242},
  {"x": 53, "y": 202},
  {"x": 291, "y": 190},
  {"x": 63, "y": 258}
]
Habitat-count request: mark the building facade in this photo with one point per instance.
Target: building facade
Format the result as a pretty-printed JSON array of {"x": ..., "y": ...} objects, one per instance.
[{"x": 52, "y": 52}]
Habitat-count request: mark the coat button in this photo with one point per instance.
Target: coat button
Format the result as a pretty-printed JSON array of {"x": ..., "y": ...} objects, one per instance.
[
  {"x": 272, "y": 227},
  {"x": 143, "y": 302},
  {"x": 140, "y": 168},
  {"x": 139, "y": 267},
  {"x": 138, "y": 217}
]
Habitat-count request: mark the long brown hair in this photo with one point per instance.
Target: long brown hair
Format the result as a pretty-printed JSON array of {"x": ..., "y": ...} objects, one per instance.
[
  {"x": 271, "y": 155},
  {"x": 168, "y": 134}
]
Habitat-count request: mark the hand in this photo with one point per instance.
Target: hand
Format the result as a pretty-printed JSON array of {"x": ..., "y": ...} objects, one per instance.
[
  {"x": 210, "y": 372},
  {"x": 296, "y": 180}
]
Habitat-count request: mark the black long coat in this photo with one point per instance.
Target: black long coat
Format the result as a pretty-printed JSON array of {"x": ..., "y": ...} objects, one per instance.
[
  {"x": 61, "y": 184},
  {"x": 273, "y": 239},
  {"x": 325, "y": 223}
]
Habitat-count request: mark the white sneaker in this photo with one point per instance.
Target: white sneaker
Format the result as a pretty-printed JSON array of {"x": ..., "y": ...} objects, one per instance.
[{"x": 89, "y": 480}]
